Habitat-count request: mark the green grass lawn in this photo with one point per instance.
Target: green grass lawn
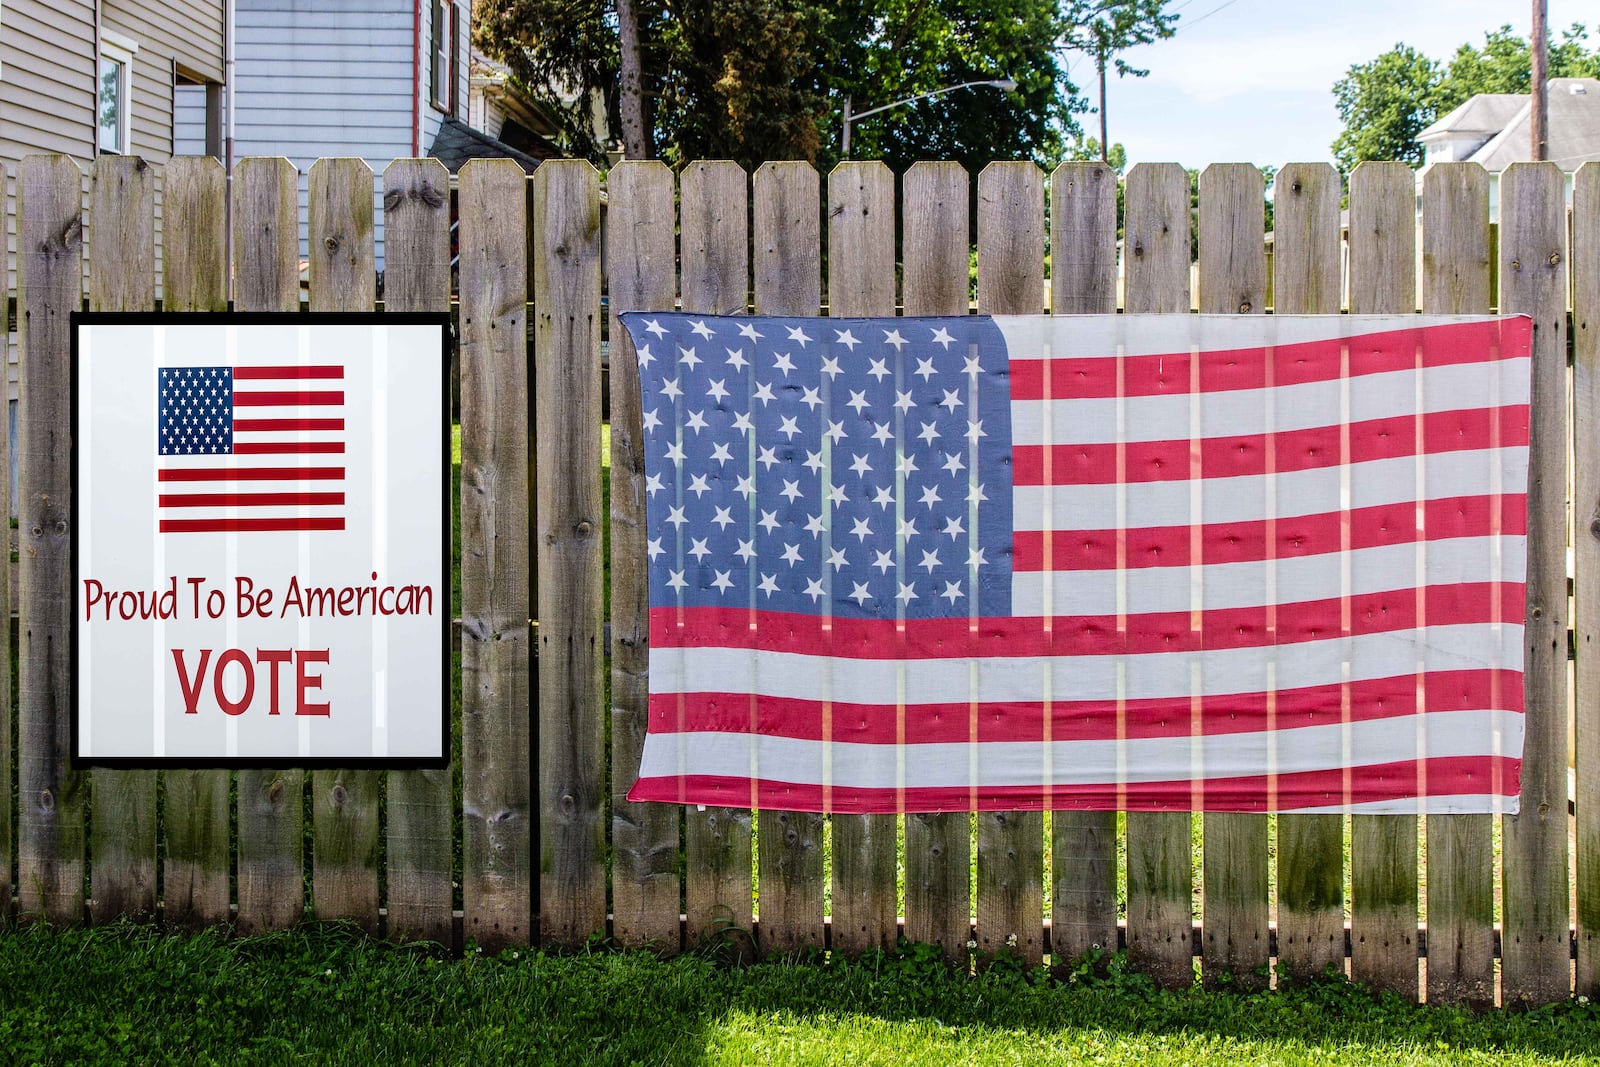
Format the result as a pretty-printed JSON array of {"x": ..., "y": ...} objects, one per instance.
[{"x": 127, "y": 994}]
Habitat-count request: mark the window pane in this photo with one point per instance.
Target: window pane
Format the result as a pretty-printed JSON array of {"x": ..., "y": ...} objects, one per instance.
[
  {"x": 111, "y": 105},
  {"x": 441, "y": 54}
]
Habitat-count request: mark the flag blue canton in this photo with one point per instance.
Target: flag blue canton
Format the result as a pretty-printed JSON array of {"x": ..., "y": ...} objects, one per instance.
[
  {"x": 857, "y": 468},
  {"x": 194, "y": 411}
]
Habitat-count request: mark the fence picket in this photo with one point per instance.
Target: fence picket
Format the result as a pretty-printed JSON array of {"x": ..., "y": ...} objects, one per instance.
[
  {"x": 1160, "y": 843},
  {"x": 1233, "y": 281},
  {"x": 1305, "y": 281},
  {"x": 861, "y": 282},
  {"x": 1533, "y": 281},
  {"x": 1460, "y": 861},
  {"x": 496, "y": 737},
  {"x": 1383, "y": 848},
  {"x": 345, "y": 803},
  {"x": 266, "y": 277},
  {"x": 935, "y": 246},
  {"x": 788, "y": 273},
  {"x": 640, "y": 261},
  {"x": 1011, "y": 282},
  {"x": 122, "y": 839},
  {"x": 419, "y": 834},
  {"x": 572, "y": 758},
  {"x": 1586, "y": 535},
  {"x": 50, "y": 822},
  {"x": 715, "y": 228},
  {"x": 1083, "y": 281}
]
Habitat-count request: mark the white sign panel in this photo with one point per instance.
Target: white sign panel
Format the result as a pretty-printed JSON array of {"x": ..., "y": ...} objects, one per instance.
[{"x": 261, "y": 565}]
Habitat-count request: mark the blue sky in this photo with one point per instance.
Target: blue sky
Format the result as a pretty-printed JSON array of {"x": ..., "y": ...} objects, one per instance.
[{"x": 1252, "y": 80}]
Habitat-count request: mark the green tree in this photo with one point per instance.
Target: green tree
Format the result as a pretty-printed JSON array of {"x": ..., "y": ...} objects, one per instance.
[
  {"x": 752, "y": 80},
  {"x": 1387, "y": 101}
]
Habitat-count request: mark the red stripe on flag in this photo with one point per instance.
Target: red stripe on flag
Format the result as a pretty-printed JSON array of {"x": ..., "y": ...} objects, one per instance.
[
  {"x": 249, "y": 474},
  {"x": 260, "y": 374},
  {"x": 1467, "y": 776},
  {"x": 248, "y": 500},
  {"x": 1293, "y": 536},
  {"x": 288, "y": 448},
  {"x": 237, "y": 525},
  {"x": 300, "y": 425},
  {"x": 1295, "y": 450},
  {"x": 1084, "y": 635},
  {"x": 1294, "y": 364},
  {"x": 1077, "y": 720},
  {"x": 287, "y": 398}
]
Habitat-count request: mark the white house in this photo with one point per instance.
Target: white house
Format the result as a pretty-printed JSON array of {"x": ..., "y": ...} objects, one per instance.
[
  {"x": 1495, "y": 129},
  {"x": 378, "y": 79}
]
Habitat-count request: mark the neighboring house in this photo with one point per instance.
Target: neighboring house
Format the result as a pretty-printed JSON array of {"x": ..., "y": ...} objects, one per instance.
[
  {"x": 378, "y": 79},
  {"x": 1494, "y": 129},
  {"x": 87, "y": 77}
]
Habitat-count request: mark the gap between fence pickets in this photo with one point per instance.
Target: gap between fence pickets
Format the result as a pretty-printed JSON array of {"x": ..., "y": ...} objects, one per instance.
[{"x": 458, "y": 918}]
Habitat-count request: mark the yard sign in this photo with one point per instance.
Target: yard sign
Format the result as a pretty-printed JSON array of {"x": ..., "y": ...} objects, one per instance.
[{"x": 261, "y": 556}]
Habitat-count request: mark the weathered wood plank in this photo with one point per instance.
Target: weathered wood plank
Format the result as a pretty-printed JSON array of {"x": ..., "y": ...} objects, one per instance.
[
  {"x": 569, "y": 517},
  {"x": 861, "y": 282},
  {"x": 1011, "y": 282},
  {"x": 1306, "y": 281},
  {"x": 788, "y": 273},
  {"x": 1533, "y": 281},
  {"x": 420, "y": 834},
  {"x": 1383, "y": 848},
  {"x": 1233, "y": 281},
  {"x": 640, "y": 272},
  {"x": 1455, "y": 281},
  {"x": 1083, "y": 281},
  {"x": 266, "y": 253},
  {"x": 935, "y": 245},
  {"x": 49, "y": 288},
  {"x": 8, "y": 751},
  {"x": 345, "y": 803},
  {"x": 496, "y": 732},
  {"x": 715, "y": 240},
  {"x": 1586, "y": 538},
  {"x": 122, "y": 277},
  {"x": 1160, "y": 843}
]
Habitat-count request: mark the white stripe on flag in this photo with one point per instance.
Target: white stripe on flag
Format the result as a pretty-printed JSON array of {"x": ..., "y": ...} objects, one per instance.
[
  {"x": 945, "y": 765},
  {"x": 1018, "y": 678}
]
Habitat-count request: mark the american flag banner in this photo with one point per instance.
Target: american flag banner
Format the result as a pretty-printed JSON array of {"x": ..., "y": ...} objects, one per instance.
[
  {"x": 1221, "y": 563},
  {"x": 250, "y": 448}
]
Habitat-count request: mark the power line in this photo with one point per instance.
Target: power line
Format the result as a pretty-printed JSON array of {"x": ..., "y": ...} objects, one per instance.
[{"x": 1202, "y": 18}]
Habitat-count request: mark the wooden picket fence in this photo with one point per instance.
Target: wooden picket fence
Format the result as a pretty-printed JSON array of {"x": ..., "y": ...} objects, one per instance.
[{"x": 539, "y": 846}]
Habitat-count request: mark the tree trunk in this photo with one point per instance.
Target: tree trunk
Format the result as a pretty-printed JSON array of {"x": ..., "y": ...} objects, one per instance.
[{"x": 636, "y": 140}]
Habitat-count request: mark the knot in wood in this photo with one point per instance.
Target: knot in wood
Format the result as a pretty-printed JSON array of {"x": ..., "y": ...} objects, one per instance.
[
  {"x": 1516, "y": 264},
  {"x": 47, "y": 801},
  {"x": 331, "y": 244},
  {"x": 339, "y": 796},
  {"x": 1244, "y": 307},
  {"x": 275, "y": 791},
  {"x": 1555, "y": 259},
  {"x": 1538, "y": 613},
  {"x": 37, "y": 531},
  {"x": 584, "y": 528},
  {"x": 568, "y": 804},
  {"x": 61, "y": 526},
  {"x": 1594, "y": 528}
]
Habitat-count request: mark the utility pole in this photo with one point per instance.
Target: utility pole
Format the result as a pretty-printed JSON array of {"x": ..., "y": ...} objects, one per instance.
[
  {"x": 1104, "y": 145},
  {"x": 1541, "y": 76}
]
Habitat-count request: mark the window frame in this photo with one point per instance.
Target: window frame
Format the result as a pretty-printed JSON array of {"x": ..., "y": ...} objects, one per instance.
[
  {"x": 442, "y": 55},
  {"x": 119, "y": 50}
]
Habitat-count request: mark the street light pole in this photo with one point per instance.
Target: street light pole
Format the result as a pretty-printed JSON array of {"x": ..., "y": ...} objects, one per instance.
[{"x": 851, "y": 117}]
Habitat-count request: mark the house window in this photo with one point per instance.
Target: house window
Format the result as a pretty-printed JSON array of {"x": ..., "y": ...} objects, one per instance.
[
  {"x": 115, "y": 91},
  {"x": 443, "y": 50}
]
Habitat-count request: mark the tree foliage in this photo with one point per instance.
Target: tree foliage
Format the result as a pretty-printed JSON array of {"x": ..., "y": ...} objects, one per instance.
[
  {"x": 1386, "y": 102},
  {"x": 752, "y": 80}
]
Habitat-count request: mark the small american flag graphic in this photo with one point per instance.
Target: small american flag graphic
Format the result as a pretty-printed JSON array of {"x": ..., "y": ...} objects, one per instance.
[{"x": 250, "y": 448}]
